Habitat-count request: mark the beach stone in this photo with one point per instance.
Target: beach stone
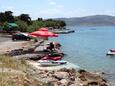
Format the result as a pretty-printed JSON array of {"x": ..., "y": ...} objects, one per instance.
[
  {"x": 70, "y": 82},
  {"x": 104, "y": 84},
  {"x": 64, "y": 82},
  {"x": 51, "y": 72},
  {"x": 81, "y": 71},
  {"x": 92, "y": 83},
  {"x": 69, "y": 78},
  {"x": 72, "y": 78},
  {"x": 61, "y": 75},
  {"x": 44, "y": 75},
  {"x": 82, "y": 78},
  {"x": 58, "y": 83},
  {"x": 41, "y": 72},
  {"x": 15, "y": 52},
  {"x": 74, "y": 85},
  {"x": 28, "y": 56},
  {"x": 71, "y": 72}
]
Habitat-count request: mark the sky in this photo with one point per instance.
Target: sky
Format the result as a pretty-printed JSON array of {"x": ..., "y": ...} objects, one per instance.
[{"x": 58, "y": 8}]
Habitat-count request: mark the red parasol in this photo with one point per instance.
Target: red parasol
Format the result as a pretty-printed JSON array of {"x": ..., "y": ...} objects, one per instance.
[{"x": 44, "y": 33}]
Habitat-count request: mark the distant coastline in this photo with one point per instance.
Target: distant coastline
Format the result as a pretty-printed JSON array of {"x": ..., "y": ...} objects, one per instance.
[{"x": 94, "y": 20}]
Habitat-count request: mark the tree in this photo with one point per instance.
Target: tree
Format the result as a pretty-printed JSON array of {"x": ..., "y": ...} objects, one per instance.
[
  {"x": 40, "y": 19},
  {"x": 49, "y": 20},
  {"x": 22, "y": 25},
  {"x": 2, "y": 17},
  {"x": 26, "y": 18},
  {"x": 9, "y": 17},
  {"x": 62, "y": 23}
]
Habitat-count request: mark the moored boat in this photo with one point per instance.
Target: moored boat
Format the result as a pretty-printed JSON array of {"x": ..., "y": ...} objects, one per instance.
[
  {"x": 111, "y": 52},
  {"x": 63, "y": 31},
  {"x": 51, "y": 63},
  {"x": 55, "y": 58}
]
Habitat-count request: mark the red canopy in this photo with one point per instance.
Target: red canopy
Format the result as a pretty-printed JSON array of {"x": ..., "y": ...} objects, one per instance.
[
  {"x": 43, "y": 29},
  {"x": 44, "y": 33}
]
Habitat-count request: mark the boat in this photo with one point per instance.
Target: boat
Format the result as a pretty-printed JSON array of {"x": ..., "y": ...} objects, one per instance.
[
  {"x": 63, "y": 31},
  {"x": 51, "y": 63},
  {"x": 55, "y": 58},
  {"x": 111, "y": 52}
]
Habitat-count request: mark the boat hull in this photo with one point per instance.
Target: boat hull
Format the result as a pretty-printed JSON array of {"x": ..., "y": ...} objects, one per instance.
[
  {"x": 110, "y": 53},
  {"x": 52, "y": 58},
  {"x": 51, "y": 63}
]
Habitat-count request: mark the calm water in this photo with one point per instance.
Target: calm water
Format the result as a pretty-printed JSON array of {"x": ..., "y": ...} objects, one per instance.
[{"x": 87, "y": 47}]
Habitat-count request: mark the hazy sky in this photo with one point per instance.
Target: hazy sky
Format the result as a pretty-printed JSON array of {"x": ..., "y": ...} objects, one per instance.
[{"x": 59, "y": 8}]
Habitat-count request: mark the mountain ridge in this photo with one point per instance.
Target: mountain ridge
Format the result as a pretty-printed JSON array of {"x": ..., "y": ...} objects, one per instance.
[{"x": 93, "y": 20}]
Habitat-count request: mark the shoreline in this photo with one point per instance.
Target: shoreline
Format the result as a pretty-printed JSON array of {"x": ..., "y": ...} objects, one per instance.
[
  {"x": 53, "y": 76},
  {"x": 68, "y": 76}
]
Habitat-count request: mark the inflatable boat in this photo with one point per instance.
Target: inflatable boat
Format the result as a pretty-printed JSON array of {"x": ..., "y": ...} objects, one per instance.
[
  {"x": 55, "y": 58},
  {"x": 111, "y": 52},
  {"x": 51, "y": 63}
]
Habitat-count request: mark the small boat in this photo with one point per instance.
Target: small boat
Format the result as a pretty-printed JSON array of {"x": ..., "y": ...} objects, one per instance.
[
  {"x": 63, "y": 31},
  {"x": 111, "y": 52},
  {"x": 51, "y": 63},
  {"x": 55, "y": 58}
]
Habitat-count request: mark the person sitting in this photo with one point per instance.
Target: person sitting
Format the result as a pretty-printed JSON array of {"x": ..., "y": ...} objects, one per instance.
[
  {"x": 57, "y": 45},
  {"x": 51, "y": 46}
]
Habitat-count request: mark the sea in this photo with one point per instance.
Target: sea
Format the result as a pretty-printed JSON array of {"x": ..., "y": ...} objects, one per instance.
[{"x": 87, "y": 48}]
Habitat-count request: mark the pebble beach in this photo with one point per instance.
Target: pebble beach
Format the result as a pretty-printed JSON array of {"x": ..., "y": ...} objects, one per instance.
[{"x": 64, "y": 75}]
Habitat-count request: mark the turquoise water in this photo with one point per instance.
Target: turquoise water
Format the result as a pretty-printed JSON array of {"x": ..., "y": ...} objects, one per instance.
[{"x": 87, "y": 47}]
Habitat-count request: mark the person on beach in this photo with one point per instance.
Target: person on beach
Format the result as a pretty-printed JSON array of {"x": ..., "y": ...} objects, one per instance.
[
  {"x": 51, "y": 46},
  {"x": 57, "y": 46}
]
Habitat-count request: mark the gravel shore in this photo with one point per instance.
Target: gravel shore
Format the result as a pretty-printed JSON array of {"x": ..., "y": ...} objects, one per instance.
[
  {"x": 3, "y": 39},
  {"x": 58, "y": 76},
  {"x": 9, "y": 45}
]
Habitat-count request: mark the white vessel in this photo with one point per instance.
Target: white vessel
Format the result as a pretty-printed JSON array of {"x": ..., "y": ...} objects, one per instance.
[
  {"x": 111, "y": 52},
  {"x": 51, "y": 63}
]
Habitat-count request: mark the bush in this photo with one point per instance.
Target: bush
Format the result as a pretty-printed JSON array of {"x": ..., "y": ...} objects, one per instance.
[{"x": 22, "y": 25}]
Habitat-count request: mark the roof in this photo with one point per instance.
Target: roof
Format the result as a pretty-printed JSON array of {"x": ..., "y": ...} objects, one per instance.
[{"x": 13, "y": 24}]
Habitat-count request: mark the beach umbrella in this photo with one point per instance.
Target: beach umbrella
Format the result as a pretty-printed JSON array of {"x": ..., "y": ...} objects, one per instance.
[{"x": 43, "y": 32}]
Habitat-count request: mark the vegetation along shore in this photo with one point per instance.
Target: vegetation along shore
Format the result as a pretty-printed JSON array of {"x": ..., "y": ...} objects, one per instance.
[{"x": 24, "y": 23}]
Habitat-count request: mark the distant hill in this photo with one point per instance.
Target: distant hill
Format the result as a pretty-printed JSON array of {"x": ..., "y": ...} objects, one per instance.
[{"x": 95, "y": 20}]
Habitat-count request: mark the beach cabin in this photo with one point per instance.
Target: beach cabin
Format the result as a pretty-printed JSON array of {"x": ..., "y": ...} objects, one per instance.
[
  {"x": 12, "y": 26},
  {"x": 8, "y": 27}
]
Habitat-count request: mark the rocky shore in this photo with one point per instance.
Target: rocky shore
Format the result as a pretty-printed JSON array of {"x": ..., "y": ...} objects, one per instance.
[
  {"x": 61, "y": 77},
  {"x": 68, "y": 77}
]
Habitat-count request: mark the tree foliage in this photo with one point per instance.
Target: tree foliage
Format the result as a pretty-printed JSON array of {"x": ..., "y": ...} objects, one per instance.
[
  {"x": 7, "y": 17},
  {"x": 40, "y": 19},
  {"x": 2, "y": 17},
  {"x": 26, "y": 24},
  {"x": 26, "y": 18},
  {"x": 22, "y": 26}
]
